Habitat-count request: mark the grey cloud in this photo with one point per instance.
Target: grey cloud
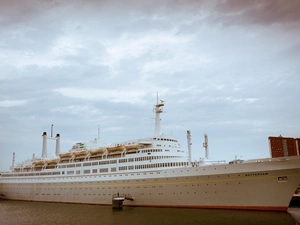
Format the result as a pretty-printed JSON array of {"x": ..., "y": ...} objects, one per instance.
[
  {"x": 14, "y": 12},
  {"x": 260, "y": 12}
]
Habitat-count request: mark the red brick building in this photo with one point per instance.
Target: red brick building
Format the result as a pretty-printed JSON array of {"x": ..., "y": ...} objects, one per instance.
[{"x": 284, "y": 146}]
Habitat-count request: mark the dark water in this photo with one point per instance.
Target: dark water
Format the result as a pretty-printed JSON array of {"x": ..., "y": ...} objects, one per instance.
[{"x": 19, "y": 213}]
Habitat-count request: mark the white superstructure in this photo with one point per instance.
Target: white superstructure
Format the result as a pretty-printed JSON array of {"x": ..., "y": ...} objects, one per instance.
[{"x": 153, "y": 171}]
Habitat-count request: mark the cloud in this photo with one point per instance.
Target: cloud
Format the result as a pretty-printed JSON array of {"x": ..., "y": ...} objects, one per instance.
[
  {"x": 66, "y": 46},
  {"x": 261, "y": 12},
  {"x": 230, "y": 99},
  {"x": 133, "y": 46},
  {"x": 182, "y": 60},
  {"x": 78, "y": 110},
  {"x": 110, "y": 95},
  {"x": 291, "y": 52},
  {"x": 12, "y": 103}
]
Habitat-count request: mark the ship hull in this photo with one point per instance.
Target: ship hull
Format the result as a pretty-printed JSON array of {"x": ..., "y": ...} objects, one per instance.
[{"x": 258, "y": 185}]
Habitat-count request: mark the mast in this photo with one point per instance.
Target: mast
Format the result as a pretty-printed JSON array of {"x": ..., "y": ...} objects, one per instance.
[
  {"x": 189, "y": 146},
  {"x": 158, "y": 111},
  {"x": 13, "y": 161},
  {"x": 205, "y": 145}
]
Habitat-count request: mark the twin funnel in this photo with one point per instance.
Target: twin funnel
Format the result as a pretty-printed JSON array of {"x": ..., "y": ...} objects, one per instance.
[{"x": 45, "y": 137}]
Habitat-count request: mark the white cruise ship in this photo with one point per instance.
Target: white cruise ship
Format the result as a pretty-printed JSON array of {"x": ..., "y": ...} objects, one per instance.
[{"x": 154, "y": 171}]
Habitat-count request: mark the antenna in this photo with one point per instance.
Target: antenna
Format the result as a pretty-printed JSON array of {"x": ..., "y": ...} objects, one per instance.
[{"x": 51, "y": 130}]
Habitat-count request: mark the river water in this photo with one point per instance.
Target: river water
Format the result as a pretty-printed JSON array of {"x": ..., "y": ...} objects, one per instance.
[{"x": 28, "y": 213}]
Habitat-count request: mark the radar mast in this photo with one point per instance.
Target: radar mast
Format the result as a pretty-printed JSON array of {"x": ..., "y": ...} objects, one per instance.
[{"x": 158, "y": 110}]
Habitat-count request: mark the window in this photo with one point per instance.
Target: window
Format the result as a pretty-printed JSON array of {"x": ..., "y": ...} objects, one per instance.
[
  {"x": 123, "y": 168},
  {"x": 130, "y": 167},
  {"x": 103, "y": 170},
  {"x": 86, "y": 171},
  {"x": 103, "y": 162},
  {"x": 282, "y": 179}
]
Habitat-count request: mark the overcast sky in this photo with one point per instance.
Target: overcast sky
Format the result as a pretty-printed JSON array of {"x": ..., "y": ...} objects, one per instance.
[{"x": 230, "y": 69}]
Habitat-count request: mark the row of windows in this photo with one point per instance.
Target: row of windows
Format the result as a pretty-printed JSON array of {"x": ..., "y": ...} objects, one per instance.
[
  {"x": 77, "y": 165},
  {"x": 146, "y": 166},
  {"x": 255, "y": 174},
  {"x": 102, "y": 170},
  {"x": 31, "y": 174},
  {"x": 165, "y": 139},
  {"x": 159, "y": 165},
  {"x": 151, "y": 150},
  {"x": 146, "y": 158}
]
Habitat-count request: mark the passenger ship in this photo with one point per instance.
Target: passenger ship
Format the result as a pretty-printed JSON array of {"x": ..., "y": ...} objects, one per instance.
[{"x": 153, "y": 171}]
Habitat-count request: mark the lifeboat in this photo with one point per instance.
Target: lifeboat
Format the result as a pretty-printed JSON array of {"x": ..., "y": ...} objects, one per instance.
[
  {"x": 131, "y": 147},
  {"x": 97, "y": 151},
  {"x": 81, "y": 153},
  {"x": 53, "y": 161},
  {"x": 115, "y": 148},
  {"x": 42, "y": 162},
  {"x": 65, "y": 155}
]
